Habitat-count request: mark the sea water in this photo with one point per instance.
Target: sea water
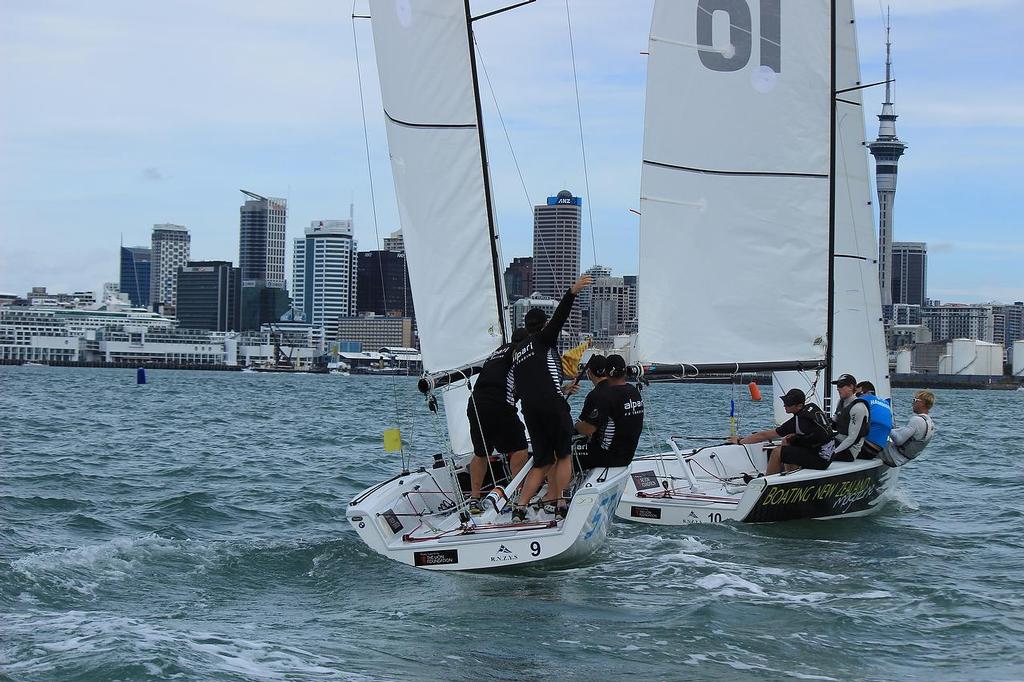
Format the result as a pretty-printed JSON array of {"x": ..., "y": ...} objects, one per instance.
[{"x": 194, "y": 528}]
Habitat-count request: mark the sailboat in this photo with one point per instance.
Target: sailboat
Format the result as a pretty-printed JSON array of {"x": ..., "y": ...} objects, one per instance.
[
  {"x": 429, "y": 89},
  {"x": 756, "y": 206}
]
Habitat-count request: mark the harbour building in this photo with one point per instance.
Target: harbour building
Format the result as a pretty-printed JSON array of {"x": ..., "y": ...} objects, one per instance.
[
  {"x": 325, "y": 274},
  {"x": 261, "y": 239},
  {"x": 519, "y": 278},
  {"x": 382, "y": 286},
  {"x": 887, "y": 150},
  {"x": 909, "y": 284},
  {"x": 134, "y": 281},
  {"x": 170, "y": 251},
  {"x": 210, "y": 296},
  {"x": 556, "y": 250}
]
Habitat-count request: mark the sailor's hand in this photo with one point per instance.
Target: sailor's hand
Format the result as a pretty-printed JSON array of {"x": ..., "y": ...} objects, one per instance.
[
  {"x": 582, "y": 283},
  {"x": 787, "y": 440},
  {"x": 570, "y": 388},
  {"x": 735, "y": 440}
]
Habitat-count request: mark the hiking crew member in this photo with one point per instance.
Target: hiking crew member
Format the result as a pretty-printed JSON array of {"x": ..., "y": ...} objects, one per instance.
[
  {"x": 907, "y": 442},
  {"x": 613, "y": 418},
  {"x": 807, "y": 439},
  {"x": 537, "y": 381},
  {"x": 493, "y": 421},
  {"x": 879, "y": 421},
  {"x": 851, "y": 421}
]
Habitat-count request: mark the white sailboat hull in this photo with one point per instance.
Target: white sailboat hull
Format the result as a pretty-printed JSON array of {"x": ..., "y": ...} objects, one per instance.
[
  {"x": 413, "y": 519},
  {"x": 661, "y": 491}
]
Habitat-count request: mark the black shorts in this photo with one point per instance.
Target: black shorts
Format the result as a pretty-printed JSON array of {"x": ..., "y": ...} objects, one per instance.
[
  {"x": 502, "y": 430},
  {"x": 807, "y": 458},
  {"x": 550, "y": 434}
]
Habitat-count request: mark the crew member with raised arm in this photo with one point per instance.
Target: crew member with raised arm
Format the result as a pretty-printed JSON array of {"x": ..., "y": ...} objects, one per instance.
[
  {"x": 493, "y": 421},
  {"x": 537, "y": 380}
]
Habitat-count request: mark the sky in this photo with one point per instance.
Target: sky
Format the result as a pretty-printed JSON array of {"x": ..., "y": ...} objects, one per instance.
[{"x": 117, "y": 115}]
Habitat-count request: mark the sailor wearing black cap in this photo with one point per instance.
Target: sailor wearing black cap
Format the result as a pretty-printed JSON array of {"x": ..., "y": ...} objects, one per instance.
[
  {"x": 851, "y": 421},
  {"x": 613, "y": 418},
  {"x": 806, "y": 436},
  {"x": 537, "y": 381}
]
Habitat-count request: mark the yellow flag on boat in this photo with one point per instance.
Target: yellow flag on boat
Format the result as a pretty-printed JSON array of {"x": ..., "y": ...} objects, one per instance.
[
  {"x": 392, "y": 440},
  {"x": 571, "y": 359}
]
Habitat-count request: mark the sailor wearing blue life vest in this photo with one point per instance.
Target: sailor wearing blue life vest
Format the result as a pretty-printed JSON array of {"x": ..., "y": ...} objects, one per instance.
[{"x": 879, "y": 420}]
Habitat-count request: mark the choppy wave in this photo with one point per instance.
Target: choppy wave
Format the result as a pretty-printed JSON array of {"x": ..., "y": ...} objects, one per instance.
[{"x": 195, "y": 528}]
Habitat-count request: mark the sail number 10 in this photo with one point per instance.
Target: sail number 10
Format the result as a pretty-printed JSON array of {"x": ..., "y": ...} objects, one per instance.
[{"x": 740, "y": 34}]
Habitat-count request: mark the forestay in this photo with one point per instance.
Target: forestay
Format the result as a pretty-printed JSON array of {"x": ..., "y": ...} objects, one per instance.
[
  {"x": 734, "y": 239},
  {"x": 427, "y": 80}
]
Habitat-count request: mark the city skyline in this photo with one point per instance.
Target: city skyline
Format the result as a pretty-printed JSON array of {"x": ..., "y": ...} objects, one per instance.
[{"x": 84, "y": 175}]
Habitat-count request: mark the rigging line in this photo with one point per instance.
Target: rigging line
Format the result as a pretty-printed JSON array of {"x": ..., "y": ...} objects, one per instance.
[
  {"x": 583, "y": 146},
  {"x": 376, "y": 228},
  {"x": 483, "y": 66}
]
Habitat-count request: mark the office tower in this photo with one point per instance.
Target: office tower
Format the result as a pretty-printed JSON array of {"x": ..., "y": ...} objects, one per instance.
[
  {"x": 262, "y": 304},
  {"x": 209, "y": 296},
  {"x": 1009, "y": 324},
  {"x": 631, "y": 320},
  {"x": 170, "y": 252},
  {"x": 887, "y": 150},
  {"x": 556, "y": 250},
  {"x": 394, "y": 242},
  {"x": 519, "y": 278},
  {"x": 959, "y": 321},
  {"x": 383, "y": 284},
  {"x": 134, "y": 281},
  {"x": 261, "y": 240},
  {"x": 324, "y": 274},
  {"x": 909, "y": 273}
]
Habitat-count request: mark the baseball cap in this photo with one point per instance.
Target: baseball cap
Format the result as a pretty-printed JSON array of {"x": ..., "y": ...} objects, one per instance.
[
  {"x": 845, "y": 380},
  {"x": 793, "y": 396},
  {"x": 598, "y": 364},
  {"x": 616, "y": 365}
]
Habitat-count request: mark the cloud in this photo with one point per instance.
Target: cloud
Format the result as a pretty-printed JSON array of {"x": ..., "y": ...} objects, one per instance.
[{"x": 152, "y": 174}]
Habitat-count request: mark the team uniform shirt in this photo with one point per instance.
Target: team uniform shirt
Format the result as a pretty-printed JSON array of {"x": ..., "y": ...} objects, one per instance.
[
  {"x": 492, "y": 383},
  {"x": 802, "y": 425},
  {"x": 493, "y": 421},
  {"x": 617, "y": 412}
]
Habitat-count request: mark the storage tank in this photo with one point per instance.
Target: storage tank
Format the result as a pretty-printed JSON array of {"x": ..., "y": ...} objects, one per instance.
[
  {"x": 1018, "y": 358},
  {"x": 904, "y": 358},
  {"x": 945, "y": 364},
  {"x": 964, "y": 356},
  {"x": 990, "y": 359}
]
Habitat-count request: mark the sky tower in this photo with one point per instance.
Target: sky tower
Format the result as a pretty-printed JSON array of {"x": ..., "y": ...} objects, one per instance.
[{"x": 887, "y": 150}]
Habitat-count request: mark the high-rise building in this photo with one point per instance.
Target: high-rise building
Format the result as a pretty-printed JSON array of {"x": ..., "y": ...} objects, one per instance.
[
  {"x": 324, "y": 274},
  {"x": 556, "y": 249},
  {"x": 887, "y": 150},
  {"x": 519, "y": 278},
  {"x": 375, "y": 332},
  {"x": 1008, "y": 324},
  {"x": 261, "y": 240},
  {"x": 395, "y": 242},
  {"x": 210, "y": 296},
  {"x": 170, "y": 251},
  {"x": 135, "y": 267},
  {"x": 909, "y": 273},
  {"x": 262, "y": 304},
  {"x": 383, "y": 284},
  {"x": 948, "y": 321}
]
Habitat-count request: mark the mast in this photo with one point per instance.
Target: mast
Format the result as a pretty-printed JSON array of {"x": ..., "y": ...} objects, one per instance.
[
  {"x": 830, "y": 334},
  {"x": 495, "y": 258}
]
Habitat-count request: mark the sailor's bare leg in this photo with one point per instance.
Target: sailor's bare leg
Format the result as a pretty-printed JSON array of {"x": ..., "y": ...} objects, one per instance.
[
  {"x": 477, "y": 471},
  {"x": 534, "y": 480},
  {"x": 559, "y": 479},
  {"x": 774, "y": 461},
  {"x": 517, "y": 460}
]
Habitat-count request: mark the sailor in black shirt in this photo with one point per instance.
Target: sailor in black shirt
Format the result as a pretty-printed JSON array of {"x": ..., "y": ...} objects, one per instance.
[
  {"x": 537, "y": 381},
  {"x": 613, "y": 418},
  {"x": 493, "y": 421}
]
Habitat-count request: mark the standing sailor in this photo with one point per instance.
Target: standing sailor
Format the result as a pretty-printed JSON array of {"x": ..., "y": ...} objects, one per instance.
[
  {"x": 537, "y": 378},
  {"x": 493, "y": 421}
]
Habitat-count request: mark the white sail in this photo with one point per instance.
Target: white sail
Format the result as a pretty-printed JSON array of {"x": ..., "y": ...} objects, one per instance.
[
  {"x": 425, "y": 64},
  {"x": 427, "y": 88},
  {"x": 735, "y": 188},
  {"x": 858, "y": 336}
]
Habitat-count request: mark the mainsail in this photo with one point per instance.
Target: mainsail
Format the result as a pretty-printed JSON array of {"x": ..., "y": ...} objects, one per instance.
[
  {"x": 428, "y": 87},
  {"x": 737, "y": 197},
  {"x": 735, "y": 183}
]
